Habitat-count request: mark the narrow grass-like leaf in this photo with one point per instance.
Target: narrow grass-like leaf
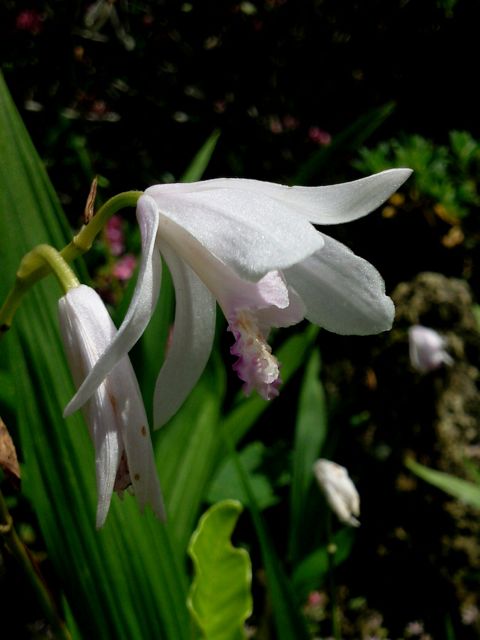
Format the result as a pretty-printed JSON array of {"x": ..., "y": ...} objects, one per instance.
[
  {"x": 310, "y": 433},
  {"x": 186, "y": 450},
  {"x": 312, "y": 572},
  {"x": 123, "y": 582},
  {"x": 465, "y": 491},
  {"x": 289, "y": 622},
  {"x": 350, "y": 139},
  {"x": 220, "y": 597},
  {"x": 200, "y": 162}
]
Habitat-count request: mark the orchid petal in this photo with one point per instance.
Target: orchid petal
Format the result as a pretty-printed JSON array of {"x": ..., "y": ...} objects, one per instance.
[
  {"x": 343, "y": 293},
  {"x": 251, "y": 232},
  {"x": 82, "y": 313},
  {"x": 140, "y": 310},
  {"x": 331, "y": 204},
  {"x": 192, "y": 340},
  {"x": 133, "y": 423}
]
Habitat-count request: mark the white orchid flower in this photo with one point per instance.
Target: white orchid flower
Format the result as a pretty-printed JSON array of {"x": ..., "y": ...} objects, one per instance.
[
  {"x": 340, "y": 492},
  {"x": 251, "y": 246},
  {"x": 427, "y": 349},
  {"x": 114, "y": 413}
]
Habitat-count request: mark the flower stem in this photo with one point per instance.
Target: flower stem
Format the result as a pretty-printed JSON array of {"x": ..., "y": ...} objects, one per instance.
[
  {"x": 331, "y": 551},
  {"x": 44, "y": 259},
  {"x": 31, "y": 571}
]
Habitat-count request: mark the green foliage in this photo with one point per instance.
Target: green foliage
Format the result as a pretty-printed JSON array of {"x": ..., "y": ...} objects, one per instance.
[
  {"x": 448, "y": 175},
  {"x": 227, "y": 484},
  {"x": 465, "y": 491},
  {"x": 312, "y": 572},
  {"x": 310, "y": 433},
  {"x": 220, "y": 600},
  {"x": 124, "y": 581}
]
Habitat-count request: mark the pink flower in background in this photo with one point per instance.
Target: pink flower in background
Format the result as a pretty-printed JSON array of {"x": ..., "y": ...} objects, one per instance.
[
  {"x": 124, "y": 268},
  {"x": 114, "y": 235},
  {"x": 319, "y": 136},
  {"x": 30, "y": 20}
]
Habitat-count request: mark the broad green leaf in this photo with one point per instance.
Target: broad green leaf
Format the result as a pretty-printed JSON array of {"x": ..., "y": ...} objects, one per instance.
[
  {"x": 289, "y": 622},
  {"x": 220, "y": 596},
  {"x": 310, "y": 433},
  {"x": 124, "y": 581},
  {"x": 226, "y": 483},
  {"x": 465, "y": 491},
  {"x": 312, "y": 572}
]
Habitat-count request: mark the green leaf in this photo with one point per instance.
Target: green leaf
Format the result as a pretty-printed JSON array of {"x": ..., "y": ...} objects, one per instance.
[
  {"x": 125, "y": 581},
  {"x": 226, "y": 483},
  {"x": 465, "y": 491},
  {"x": 310, "y": 433},
  {"x": 289, "y": 622},
  {"x": 220, "y": 599},
  {"x": 200, "y": 162},
  {"x": 312, "y": 572},
  {"x": 350, "y": 139}
]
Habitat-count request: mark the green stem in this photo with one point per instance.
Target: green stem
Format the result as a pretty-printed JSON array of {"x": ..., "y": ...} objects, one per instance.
[
  {"x": 20, "y": 553},
  {"x": 34, "y": 263},
  {"x": 331, "y": 551},
  {"x": 41, "y": 261}
]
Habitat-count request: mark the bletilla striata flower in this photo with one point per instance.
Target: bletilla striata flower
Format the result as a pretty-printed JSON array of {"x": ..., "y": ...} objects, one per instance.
[
  {"x": 252, "y": 247},
  {"x": 427, "y": 349},
  {"x": 339, "y": 490},
  {"x": 114, "y": 413}
]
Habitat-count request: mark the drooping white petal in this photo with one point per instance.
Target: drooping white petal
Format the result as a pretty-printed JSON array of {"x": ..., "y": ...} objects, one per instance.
[
  {"x": 133, "y": 424},
  {"x": 342, "y": 292},
  {"x": 86, "y": 330},
  {"x": 140, "y": 310},
  {"x": 115, "y": 414},
  {"x": 331, "y": 204},
  {"x": 192, "y": 339},
  {"x": 250, "y": 231}
]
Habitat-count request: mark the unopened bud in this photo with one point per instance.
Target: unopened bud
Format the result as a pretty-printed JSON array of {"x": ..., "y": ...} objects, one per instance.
[{"x": 339, "y": 490}]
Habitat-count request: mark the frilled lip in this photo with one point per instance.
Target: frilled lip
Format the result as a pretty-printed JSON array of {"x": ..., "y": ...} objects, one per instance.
[{"x": 247, "y": 229}]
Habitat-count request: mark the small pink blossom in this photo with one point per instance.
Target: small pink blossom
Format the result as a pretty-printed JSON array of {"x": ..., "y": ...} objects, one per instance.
[
  {"x": 114, "y": 235},
  {"x": 124, "y": 268},
  {"x": 29, "y": 20},
  {"x": 319, "y": 136}
]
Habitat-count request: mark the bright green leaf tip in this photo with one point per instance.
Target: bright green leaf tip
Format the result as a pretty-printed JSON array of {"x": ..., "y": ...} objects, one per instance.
[{"x": 220, "y": 596}]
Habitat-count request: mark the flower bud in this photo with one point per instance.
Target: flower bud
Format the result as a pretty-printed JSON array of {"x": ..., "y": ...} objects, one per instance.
[
  {"x": 427, "y": 349},
  {"x": 339, "y": 490}
]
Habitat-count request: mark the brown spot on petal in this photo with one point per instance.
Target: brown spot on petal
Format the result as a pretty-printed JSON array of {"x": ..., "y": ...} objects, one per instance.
[
  {"x": 143, "y": 430},
  {"x": 137, "y": 477},
  {"x": 8, "y": 456},
  {"x": 113, "y": 402}
]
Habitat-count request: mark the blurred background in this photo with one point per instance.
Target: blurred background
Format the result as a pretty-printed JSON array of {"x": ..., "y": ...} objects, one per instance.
[{"x": 311, "y": 92}]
